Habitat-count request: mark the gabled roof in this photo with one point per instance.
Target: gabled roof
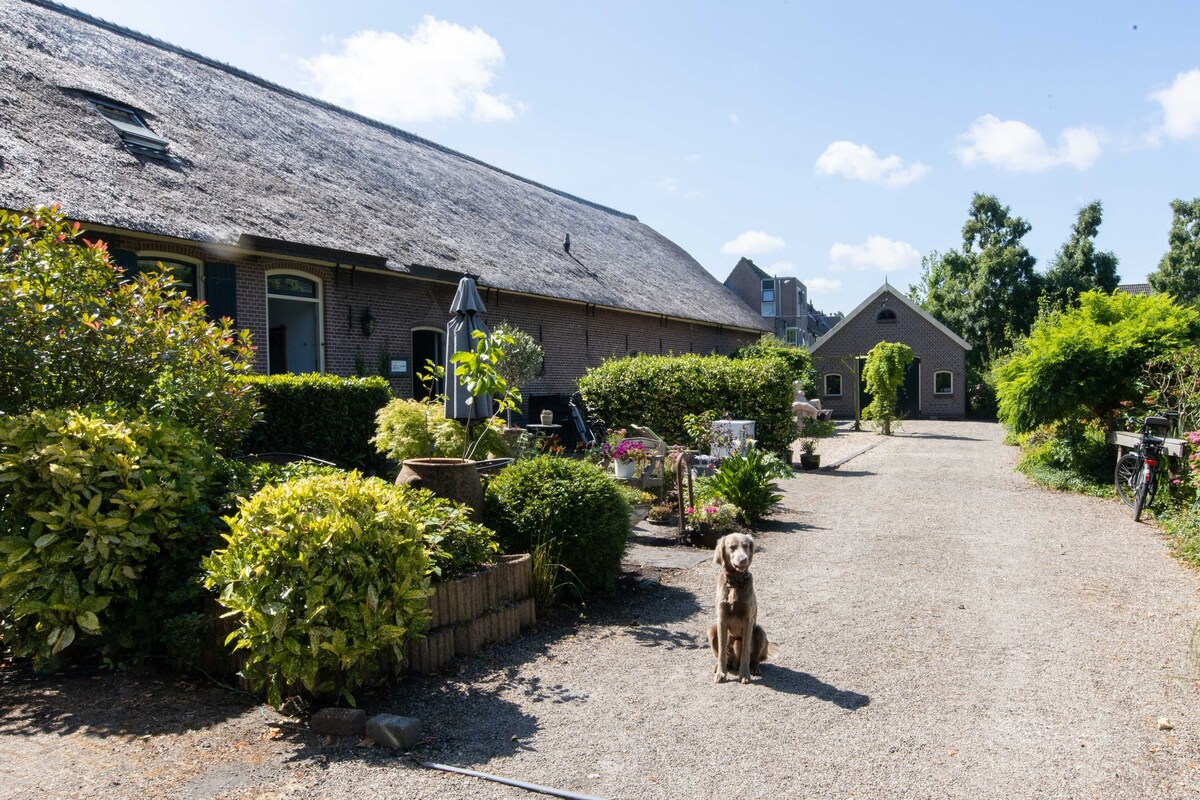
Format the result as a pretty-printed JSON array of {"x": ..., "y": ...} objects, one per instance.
[
  {"x": 1136, "y": 288},
  {"x": 252, "y": 161},
  {"x": 909, "y": 304},
  {"x": 745, "y": 263}
]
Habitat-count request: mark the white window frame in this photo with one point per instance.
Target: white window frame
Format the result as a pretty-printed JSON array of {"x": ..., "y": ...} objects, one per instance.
[
  {"x": 319, "y": 300},
  {"x": 825, "y": 384},
  {"x": 791, "y": 335},
  {"x": 160, "y": 255},
  {"x": 949, "y": 391}
]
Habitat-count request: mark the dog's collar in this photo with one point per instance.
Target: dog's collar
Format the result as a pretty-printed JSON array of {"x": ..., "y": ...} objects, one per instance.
[{"x": 735, "y": 578}]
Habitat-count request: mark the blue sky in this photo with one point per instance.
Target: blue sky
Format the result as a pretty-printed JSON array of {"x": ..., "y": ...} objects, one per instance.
[{"x": 834, "y": 142}]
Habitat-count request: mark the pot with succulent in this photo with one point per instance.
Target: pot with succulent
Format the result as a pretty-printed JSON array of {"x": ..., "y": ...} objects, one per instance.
[
  {"x": 810, "y": 431},
  {"x": 809, "y": 457}
]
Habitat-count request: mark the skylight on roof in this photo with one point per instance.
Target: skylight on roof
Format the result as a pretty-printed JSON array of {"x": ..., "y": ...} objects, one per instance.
[{"x": 133, "y": 130}]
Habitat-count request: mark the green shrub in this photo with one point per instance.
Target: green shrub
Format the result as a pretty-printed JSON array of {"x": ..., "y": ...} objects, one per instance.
[
  {"x": 1086, "y": 361},
  {"x": 74, "y": 333},
  {"x": 658, "y": 391},
  {"x": 569, "y": 509},
  {"x": 1069, "y": 455},
  {"x": 799, "y": 360},
  {"x": 745, "y": 481},
  {"x": 456, "y": 545},
  {"x": 100, "y": 513},
  {"x": 328, "y": 575},
  {"x": 324, "y": 416},
  {"x": 419, "y": 429}
]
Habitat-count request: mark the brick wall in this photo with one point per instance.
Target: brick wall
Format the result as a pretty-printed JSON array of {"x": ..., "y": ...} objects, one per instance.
[
  {"x": 937, "y": 352},
  {"x": 573, "y": 336}
]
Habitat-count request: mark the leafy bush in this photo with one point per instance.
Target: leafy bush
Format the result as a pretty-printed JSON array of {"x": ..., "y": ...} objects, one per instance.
[
  {"x": 97, "y": 511},
  {"x": 1069, "y": 455},
  {"x": 799, "y": 360},
  {"x": 745, "y": 481},
  {"x": 1084, "y": 362},
  {"x": 324, "y": 416},
  {"x": 523, "y": 357},
  {"x": 419, "y": 429},
  {"x": 883, "y": 373},
  {"x": 456, "y": 545},
  {"x": 569, "y": 510},
  {"x": 328, "y": 574},
  {"x": 1172, "y": 383},
  {"x": 658, "y": 391},
  {"x": 73, "y": 333}
]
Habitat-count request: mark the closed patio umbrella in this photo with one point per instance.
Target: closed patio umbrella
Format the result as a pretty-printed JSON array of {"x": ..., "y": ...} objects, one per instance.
[{"x": 468, "y": 310}]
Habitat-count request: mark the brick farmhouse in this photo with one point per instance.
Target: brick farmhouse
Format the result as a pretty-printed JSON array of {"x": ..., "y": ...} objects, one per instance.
[
  {"x": 935, "y": 386},
  {"x": 335, "y": 239}
]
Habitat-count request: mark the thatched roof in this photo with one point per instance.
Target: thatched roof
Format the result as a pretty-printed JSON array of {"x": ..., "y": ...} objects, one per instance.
[{"x": 253, "y": 161}]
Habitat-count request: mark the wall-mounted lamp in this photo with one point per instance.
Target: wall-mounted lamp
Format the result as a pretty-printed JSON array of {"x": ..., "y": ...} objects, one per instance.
[{"x": 367, "y": 322}]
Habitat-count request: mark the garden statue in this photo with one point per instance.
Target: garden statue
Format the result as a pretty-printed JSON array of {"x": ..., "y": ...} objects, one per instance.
[{"x": 803, "y": 407}]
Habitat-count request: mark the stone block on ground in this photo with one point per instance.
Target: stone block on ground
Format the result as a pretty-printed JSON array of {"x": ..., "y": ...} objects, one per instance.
[
  {"x": 394, "y": 731},
  {"x": 339, "y": 721}
]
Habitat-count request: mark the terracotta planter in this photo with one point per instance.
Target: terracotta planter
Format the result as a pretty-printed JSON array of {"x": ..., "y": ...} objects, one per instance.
[
  {"x": 812, "y": 461},
  {"x": 453, "y": 478}
]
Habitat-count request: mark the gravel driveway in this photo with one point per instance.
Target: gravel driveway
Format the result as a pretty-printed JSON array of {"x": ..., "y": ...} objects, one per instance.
[{"x": 946, "y": 630}]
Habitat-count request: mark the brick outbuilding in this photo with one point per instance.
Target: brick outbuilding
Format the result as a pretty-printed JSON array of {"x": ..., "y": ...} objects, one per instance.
[{"x": 935, "y": 386}]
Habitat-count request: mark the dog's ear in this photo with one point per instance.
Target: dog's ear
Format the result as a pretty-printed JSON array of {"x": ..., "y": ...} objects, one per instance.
[
  {"x": 750, "y": 541},
  {"x": 719, "y": 555}
]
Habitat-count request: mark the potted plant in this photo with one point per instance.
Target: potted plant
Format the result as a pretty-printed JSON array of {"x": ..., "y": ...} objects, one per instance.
[
  {"x": 708, "y": 523},
  {"x": 809, "y": 457},
  {"x": 629, "y": 459}
]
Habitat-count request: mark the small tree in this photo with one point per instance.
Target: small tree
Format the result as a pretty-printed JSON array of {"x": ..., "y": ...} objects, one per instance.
[
  {"x": 523, "y": 358},
  {"x": 883, "y": 373}
]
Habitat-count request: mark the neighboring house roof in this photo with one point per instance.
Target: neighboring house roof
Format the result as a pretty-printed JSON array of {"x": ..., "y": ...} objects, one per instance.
[
  {"x": 961, "y": 342},
  {"x": 745, "y": 263},
  {"x": 1136, "y": 288},
  {"x": 254, "y": 162}
]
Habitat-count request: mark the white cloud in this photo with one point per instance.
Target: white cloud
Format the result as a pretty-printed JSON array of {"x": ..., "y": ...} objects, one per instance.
[
  {"x": 669, "y": 185},
  {"x": 861, "y": 163},
  {"x": 1181, "y": 107},
  {"x": 1013, "y": 145},
  {"x": 752, "y": 243},
  {"x": 782, "y": 268},
  {"x": 733, "y": 118},
  {"x": 822, "y": 285},
  {"x": 441, "y": 71},
  {"x": 877, "y": 252}
]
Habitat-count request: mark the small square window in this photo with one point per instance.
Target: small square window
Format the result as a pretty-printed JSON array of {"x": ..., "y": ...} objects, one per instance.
[
  {"x": 833, "y": 385},
  {"x": 943, "y": 382},
  {"x": 134, "y": 132},
  {"x": 184, "y": 274},
  {"x": 790, "y": 335},
  {"x": 768, "y": 309}
]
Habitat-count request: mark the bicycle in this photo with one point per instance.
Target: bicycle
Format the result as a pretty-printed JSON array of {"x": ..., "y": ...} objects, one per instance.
[
  {"x": 1136, "y": 475},
  {"x": 591, "y": 429}
]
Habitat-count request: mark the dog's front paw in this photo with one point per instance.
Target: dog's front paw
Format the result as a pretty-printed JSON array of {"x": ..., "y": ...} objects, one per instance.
[{"x": 719, "y": 677}]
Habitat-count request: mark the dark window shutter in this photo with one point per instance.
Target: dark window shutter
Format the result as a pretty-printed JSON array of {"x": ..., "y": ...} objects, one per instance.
[
  {"x": 220, "y": 290},
  {"x": 127, "y": 260}
]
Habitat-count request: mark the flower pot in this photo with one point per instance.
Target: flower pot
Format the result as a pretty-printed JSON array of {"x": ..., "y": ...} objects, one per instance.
[
  {"x": 810, "y": 460},
  {"x": 624, "y": 469},
  {"x": 547, "y": 417},
  {"x": 453, "y": 478}
]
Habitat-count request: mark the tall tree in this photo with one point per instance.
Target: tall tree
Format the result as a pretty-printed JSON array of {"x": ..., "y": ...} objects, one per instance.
[
  {"x": 1077, "y": 267},
  {"x": 1178, "y": 272},
  {"x": 986, "y": 291}
]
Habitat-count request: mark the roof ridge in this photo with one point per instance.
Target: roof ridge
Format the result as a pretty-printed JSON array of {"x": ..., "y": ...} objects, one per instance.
[{"x": 275, "y": 87}]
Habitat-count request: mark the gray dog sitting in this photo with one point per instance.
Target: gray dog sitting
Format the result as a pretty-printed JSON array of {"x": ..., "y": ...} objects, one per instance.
[{"x": 737, "y": 612}]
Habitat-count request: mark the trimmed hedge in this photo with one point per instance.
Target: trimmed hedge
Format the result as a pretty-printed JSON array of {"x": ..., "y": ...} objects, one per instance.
[
  {"x": 659, "y": 390},
  {"x": 319, "y": 415},
  {"x": 799, "y": 359}
]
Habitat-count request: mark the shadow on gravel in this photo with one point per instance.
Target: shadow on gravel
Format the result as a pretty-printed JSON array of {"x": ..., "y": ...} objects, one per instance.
[
  {"x": 102, "y": 702},
  {"x": 948, "y": 436},
  {"x": 789, "y": 681},
  {"x": 845, "y": 473}
]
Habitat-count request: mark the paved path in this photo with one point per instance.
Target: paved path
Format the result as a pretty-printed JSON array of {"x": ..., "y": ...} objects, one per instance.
[{"x": 946, "y": 630}]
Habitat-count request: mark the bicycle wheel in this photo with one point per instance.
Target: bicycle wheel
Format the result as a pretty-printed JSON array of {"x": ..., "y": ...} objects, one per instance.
[{"x": 1129, "y": 470}]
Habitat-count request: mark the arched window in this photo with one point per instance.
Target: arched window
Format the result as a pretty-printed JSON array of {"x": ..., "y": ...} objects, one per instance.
[
  {"x": 885, "y": 315},
  {"x": 428, "y": 344},
  {"x": 294, "y": 330},
  {"x": 943, "y": 382},
  {"x": 833, "y": 384}
]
